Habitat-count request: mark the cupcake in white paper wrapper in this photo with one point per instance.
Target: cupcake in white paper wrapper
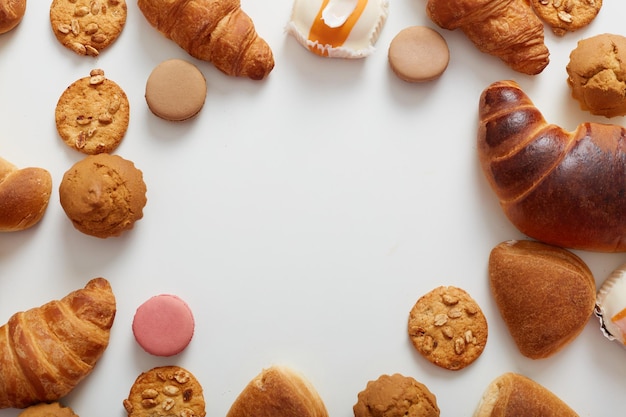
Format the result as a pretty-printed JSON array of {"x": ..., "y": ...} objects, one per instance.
[
  {"x": 338, "y": 28},
  {"x": 611, "y": 305}
]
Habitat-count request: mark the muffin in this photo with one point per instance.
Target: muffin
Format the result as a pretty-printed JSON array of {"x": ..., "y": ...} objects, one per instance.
[{"x": 103, "y": 195}]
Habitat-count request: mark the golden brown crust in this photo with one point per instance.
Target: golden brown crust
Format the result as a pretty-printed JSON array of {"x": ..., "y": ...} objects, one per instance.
[
  {"x": 448, "y": 328},
  {"x": 165, "y": 391},
  {"x": 545, "y": 295},
  {"x": 566, "y": 15},
  {"x": 46, "y": 351},
  {"x": 48, "y": 410},
  {"x": 514, "y": 395},
  {"x": 24, "y": 196},
  {"x": 396, "y": 396},
  {"x": 11, "y": 14},
  {"x": 507, "y": 29},
  {"x": 278, "y": 392},
  {"x": 218, "y": 31}
]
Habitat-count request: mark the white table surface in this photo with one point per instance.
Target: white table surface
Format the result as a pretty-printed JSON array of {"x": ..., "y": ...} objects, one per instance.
[{"x": 300, "y": 217}]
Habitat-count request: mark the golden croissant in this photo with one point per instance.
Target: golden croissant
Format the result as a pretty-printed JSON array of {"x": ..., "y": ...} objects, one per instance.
[
  {"x": 46, "y": 351},
  {"x": 564, "y": 188},
  {"x": 218, "y": 31},
  {"x": 507, "y": 29}
]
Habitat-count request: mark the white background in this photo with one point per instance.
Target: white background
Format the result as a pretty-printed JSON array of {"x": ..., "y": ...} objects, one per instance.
[{"x": 300, "y": 217}]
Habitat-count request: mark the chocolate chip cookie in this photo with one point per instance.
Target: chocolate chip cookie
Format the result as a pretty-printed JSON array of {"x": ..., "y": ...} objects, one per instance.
[
  {"x": 87, "y": 26},
  {"x": 92, "y": 114},
  {"x": 448, "y": 328},
  {"x": 566, "y": 15},
  {"x": 166, "y": 391}
]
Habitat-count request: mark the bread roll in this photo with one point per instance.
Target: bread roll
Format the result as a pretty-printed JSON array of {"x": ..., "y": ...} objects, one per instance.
[
  {"x": 11, "y": 14},
  {"x": 514, "y": 395}
]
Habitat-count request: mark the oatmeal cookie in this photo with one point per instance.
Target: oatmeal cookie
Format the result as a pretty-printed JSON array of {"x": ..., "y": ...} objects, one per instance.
[
  {"x": 92, "y": 114},
  {"x": 566, "y": 15},
  {"x": 87, "y": 26},
  {"x": 448, "y": 328},
  {"x": 166, "y": 391}
]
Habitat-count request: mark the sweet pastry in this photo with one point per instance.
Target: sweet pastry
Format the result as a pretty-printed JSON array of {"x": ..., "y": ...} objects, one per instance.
[
  {"x": 278, "y": 391},
  {"x": 165, "y": 391},
  {"x": 553, "y": 185},
  {"x": 611, "y": 305},
  {"x": 103, "y": 195},
  {"x": 507, "y": 29},
  {"x": 418, "y": 54},
  {"x": 11, "y": 14},
  {"x": 566, "y": 15},
  {"x": 215, "y": 31},
  {"x": 545, "y": 294},
  {"x": 92, "y": 114},
  {"x": 176, "y": 90},
  {"x": 87, "y": 27},
  {"x": 396, "y": 396},
  {"x": 163, "y": 325},
  {"x": 338, "y": 28},
  {"x": 596, "y": 73},
  {"x": 45, "y": 352},
  {"x": 24, "y": 196},
  {"x": 447, "y": 327},
  {"x": 515, "y": 395},
  {"x": 47, "y": 410}
]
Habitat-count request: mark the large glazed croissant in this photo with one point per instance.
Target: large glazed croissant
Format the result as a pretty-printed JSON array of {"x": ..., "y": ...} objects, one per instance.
[
  {"x": 218, "y": 31},
  {"x": 507, "y": 29},
  {"x": 563, "y": 188},
  {"x": 46, "y": 351},
  {"x": 24, "y": 196}
]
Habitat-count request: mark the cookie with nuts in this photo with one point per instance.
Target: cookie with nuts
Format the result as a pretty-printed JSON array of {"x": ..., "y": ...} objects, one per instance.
[
  {"x": 566, "y": 15},
  {"x": 92, "y": 114},
  {"x": 87, "y": 26},
  {"x": 448, "y": 328},
  {"x": 166, "y": 391}
]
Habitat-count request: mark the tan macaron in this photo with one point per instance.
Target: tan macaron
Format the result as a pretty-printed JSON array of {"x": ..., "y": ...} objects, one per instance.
[
  {"x": 176, "y": 90},
  {"x": 418, "y": 54}
]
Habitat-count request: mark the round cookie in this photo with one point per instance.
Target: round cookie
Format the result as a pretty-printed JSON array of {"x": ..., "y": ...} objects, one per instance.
[
  {"x": 418, "y": 54},
  {"x": 165, "y": 391},
  {"x": 176, "y": 90},
  {"x": 92, "y": 114},
  {"x": 163, "y": 325},
  {"x": 396, "y": 396},
  {"x": 448, "y": 328},
  {"x": 103, "y": 195},
  {"x": 47, "y": 410},
  {"x": 566, "y": 15},
  {"x": 87, "y": 27},
  {"x": 596, "y": 73}
]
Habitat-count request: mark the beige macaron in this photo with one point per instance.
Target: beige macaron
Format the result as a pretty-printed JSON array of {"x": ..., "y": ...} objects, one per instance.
[
  {"x": 418, "y": 54},
  {"x": 176, "y": 90}
]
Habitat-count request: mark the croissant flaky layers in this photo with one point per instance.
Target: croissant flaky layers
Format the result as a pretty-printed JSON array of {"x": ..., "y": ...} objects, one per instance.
[
  {"x": 46, "y": 351},
  {"x": 218, "y": 31},
  {"x": 564, "y": 188},
  {"x": 507, "y": 29}
]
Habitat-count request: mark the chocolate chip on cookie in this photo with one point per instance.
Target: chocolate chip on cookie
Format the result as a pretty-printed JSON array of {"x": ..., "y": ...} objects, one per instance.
[
  {"x": 448, "y": 328},
  {"x": 92, "y": 114},
  {"x": 166, "y": 391},
  {"x": 87, "y": 26},
  {"x": 566, "y": 15}
]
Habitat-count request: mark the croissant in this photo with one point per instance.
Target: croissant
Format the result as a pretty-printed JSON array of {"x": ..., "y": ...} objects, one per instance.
[
  {"x": 24, "y": 196},
  {"x": 564, "y": 188},
  {"x": 507, "y": 29},
  {"x": 46, "y": 351},
  {"x": 218, "y": 31}
]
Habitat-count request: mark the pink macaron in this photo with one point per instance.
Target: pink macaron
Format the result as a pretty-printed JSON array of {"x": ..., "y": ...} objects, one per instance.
[{"x": 163, "y": 325}]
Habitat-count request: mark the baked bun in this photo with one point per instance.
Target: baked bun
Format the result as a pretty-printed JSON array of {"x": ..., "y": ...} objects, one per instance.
[
  {"x": 11, "y": 14},
  {"x": 53, "y": 409},
  {"x": 103, "y": 195},
  {"x": 24, "y": 196},
  {"x": 278, "y": 392},
  {"x": 514, "y": 395}
]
